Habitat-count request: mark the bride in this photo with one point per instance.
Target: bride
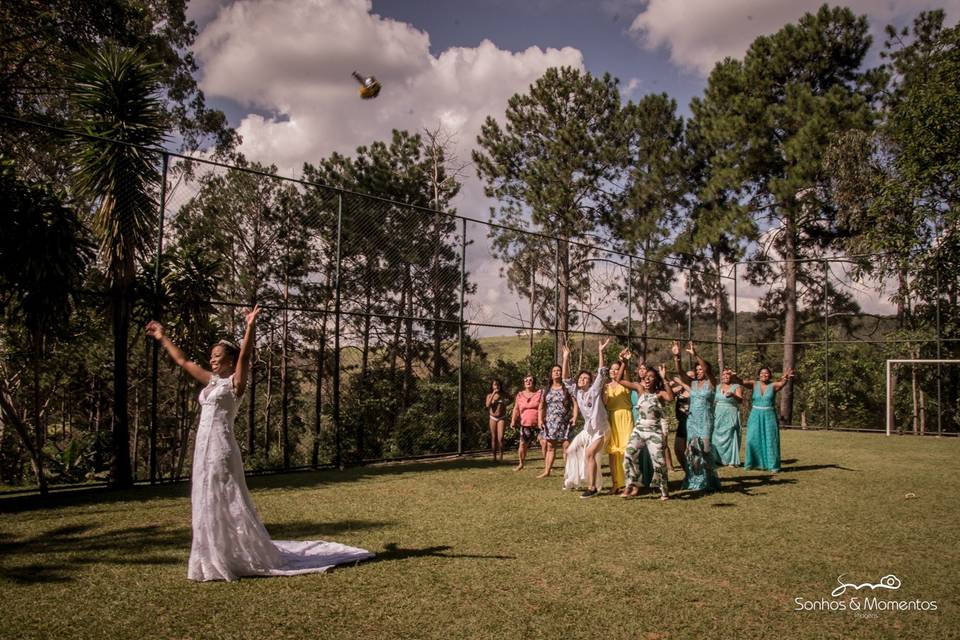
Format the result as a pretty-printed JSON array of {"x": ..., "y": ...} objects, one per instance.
[{"x": 229, "y": 540}]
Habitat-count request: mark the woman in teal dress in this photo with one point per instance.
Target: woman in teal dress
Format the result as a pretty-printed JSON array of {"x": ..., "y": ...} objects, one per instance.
[
  {"x": 726, "y": 421},
  {"x": 699, "y": 467},
  {"x": 763, "y": 432}
]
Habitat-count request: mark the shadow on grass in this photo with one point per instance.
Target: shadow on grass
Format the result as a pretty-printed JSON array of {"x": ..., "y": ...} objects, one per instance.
[
  {"x": 815, "y": 467},
  {"x": 58, "y": 554},
  {"x": 291, "y": 480},
  {"x": 745, "y": 485},
  {"x": 392, "y": 551}
]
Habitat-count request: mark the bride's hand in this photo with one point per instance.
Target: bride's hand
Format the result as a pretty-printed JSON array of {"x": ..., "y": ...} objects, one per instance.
[{"x": 155, "y": 330}]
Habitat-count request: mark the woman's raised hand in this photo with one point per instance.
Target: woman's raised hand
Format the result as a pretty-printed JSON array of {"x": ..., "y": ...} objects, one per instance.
[
  {"x": 252, "y": 314},
  {"x": 691, "y": 349},
  {"x": 565, "y": 350},
  {"x": 625, "y": 354},
  {"x": 155, "y": 330},
  {"x": 675, "y": 348},
  {"x": 605, "y": 343},
  {"x": 788, "y": 374},
  {"x": 663, "y": 372}
]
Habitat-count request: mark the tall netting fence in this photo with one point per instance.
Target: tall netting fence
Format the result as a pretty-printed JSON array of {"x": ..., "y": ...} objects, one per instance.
[{"x": 384, "y": 325}]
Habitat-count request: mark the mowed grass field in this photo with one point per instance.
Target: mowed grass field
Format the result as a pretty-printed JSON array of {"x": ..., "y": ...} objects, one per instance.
[{"x": 470, "y": 549}]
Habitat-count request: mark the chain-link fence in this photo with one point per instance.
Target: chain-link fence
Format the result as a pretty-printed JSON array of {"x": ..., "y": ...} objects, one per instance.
[{"x": 385, "y": 323}]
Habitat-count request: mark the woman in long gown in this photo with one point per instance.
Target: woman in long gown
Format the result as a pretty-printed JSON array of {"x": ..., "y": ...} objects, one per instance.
[
  {"x": 616, "y": 397},
  {"x": 726, "y": 421},
  {"x": 229, "y": 540},
  {"x": 763, "y": 431},
  {"x": 582, "y": 464},
  {"x": 700, "y": 472}
]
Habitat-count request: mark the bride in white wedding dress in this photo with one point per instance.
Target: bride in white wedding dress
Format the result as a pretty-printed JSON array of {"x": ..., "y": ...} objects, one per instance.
[{"x": 229, "y": 540}]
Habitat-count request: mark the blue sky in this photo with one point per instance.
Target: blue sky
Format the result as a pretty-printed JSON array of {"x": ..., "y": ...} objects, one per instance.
[{"x": 600, "y": 30}]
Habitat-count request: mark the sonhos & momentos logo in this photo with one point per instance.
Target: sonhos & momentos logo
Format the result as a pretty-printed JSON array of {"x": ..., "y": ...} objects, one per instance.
[{"x": 863, "y": 598}]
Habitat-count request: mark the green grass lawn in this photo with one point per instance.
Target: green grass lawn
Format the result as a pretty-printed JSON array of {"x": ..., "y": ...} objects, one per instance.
[{"x": 468, "y": 549}]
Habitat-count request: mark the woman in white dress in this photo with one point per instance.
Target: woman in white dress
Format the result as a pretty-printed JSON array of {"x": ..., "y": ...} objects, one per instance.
[
  {"x": 229, "y": 540},
  {"x": 583, "y": 466}
]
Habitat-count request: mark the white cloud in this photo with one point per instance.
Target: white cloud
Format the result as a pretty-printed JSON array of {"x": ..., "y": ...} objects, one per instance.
[
  {"x": 292, "y": 60},
  {"x": 699, "y": 33}
]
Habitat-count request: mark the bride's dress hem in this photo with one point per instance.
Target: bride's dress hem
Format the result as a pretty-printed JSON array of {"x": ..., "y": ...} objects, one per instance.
[{"x": 229, "y": 539}]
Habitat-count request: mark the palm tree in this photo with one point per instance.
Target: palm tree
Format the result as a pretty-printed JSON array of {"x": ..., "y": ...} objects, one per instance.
[
  {"x": 116, "y": 91},
  {"x": 44, "y": 254}
]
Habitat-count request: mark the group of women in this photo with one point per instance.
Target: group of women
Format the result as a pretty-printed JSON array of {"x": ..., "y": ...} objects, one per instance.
[{"x": 627, "y": 420}]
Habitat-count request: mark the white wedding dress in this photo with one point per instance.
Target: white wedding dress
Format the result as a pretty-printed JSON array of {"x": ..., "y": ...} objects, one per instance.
[{"x": 229, "y": 540}]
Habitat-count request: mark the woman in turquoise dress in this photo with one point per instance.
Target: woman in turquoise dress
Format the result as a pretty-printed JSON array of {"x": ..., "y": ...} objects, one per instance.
[
  {"x": 701, "y": 474},
  {"x": 763, "y": 432},
  {"x": 726, "y": 421}
]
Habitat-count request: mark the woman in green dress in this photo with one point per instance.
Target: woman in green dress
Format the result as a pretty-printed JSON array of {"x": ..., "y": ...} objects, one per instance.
[
  {"x": 763, "y": 432},
  {"x": 701, "y": 473},
  {"x": 726, "y": 421}
]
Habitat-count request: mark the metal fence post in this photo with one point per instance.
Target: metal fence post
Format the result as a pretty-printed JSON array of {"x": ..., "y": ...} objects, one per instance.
[
  {"x": 689, "y": 317},
  {"x": 826, "y": 344},
  {"x": 939, "y": 356},
  {"x": 336, "y": 338},
  {"x": 155, "y": 362},
  {"x": 463, "y": 283},
  {"x": 629, "y": 302},
  {"x": 736, "y": 334}
]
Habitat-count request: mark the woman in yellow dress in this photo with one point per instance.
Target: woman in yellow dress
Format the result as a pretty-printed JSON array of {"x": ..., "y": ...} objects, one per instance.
[{"x": 616, "y": 397}]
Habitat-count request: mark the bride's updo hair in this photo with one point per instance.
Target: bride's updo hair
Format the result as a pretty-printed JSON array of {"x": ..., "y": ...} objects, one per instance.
[{"x": 231, "y": 349}]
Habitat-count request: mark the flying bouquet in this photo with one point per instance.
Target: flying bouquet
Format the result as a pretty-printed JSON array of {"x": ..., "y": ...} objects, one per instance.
[{"x": 369, "y": 86}]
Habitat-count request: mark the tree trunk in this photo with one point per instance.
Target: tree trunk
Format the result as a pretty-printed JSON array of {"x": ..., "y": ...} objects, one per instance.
[
  {"x": 186, "y": 427},
  {"x": 10, "y": 415},
  {"x": 39, "y": 427},
  {"x": 923, "y": 413},
  {"x": 365, "y": 352},
  {"x": 120, "y": 471},
  {"x": 268, "y": 400},
  {"x": 252, "y": 392},
  {"x": 563, "y": 311},
  {"x": 533, "y": 298},
  {"x": 790, "y": 314},
  {"x": 318, "y": 398},
  {"x": 408, "y": 341},
  {"x": 136, "y": 426}
]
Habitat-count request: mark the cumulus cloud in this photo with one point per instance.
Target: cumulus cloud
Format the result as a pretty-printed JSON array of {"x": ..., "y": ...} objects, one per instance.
[
  {"x": 293, "y": 60},
  {"x": 699, "y": 33},
  {"x": 290, "y": 63}
]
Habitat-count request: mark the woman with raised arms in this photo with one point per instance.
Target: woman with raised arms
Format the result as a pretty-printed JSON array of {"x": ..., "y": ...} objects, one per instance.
[
  {"x": 583, "y": 455},
  {"x": 526, "y": 409},
  {"x": 700, "y": 472},
  {"x": 763, "y": 431},
  {"x": 229, "y": 540},
  {"x": 648, "y": 429}
]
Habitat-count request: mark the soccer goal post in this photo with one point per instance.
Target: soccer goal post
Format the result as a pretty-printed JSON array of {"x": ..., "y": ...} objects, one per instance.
[{"x": 890, "y": 364}]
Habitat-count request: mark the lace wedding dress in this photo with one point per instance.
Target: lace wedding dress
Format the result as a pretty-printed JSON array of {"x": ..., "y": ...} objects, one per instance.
[{"x": 229, "y": 540}]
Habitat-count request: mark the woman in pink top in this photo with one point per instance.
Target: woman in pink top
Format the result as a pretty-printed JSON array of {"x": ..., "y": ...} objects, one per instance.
[{"x": 527, "y": 409}]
